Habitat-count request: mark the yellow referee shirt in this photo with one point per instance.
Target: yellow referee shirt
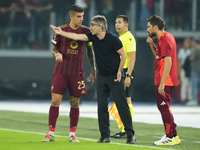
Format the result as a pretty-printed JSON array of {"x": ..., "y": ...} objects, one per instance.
[{"x": 129, "y": 45}]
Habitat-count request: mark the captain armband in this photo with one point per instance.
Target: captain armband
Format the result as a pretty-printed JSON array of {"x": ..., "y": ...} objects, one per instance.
[{"x": 88, "y": 43}]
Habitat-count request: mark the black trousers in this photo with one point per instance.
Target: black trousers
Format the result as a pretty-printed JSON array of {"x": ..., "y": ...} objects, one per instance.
[
  {"x": 128, "y": 90},
  {"x": 105, "y": 86}
]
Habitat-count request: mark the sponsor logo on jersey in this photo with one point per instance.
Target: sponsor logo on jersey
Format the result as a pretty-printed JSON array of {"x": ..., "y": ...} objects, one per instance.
[
  {"x": 83, "y": 91},
  {"x": 73, "y": 44}
]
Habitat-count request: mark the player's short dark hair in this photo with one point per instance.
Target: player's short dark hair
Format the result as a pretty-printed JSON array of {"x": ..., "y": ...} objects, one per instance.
[
  {"x": 124, "y": 17},
  {"x": 156, "y": 20},
  {"x": 75, "y": 9}
]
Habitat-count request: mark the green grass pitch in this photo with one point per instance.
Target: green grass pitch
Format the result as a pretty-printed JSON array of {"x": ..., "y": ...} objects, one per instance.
[{"x": 24, "y": 131}]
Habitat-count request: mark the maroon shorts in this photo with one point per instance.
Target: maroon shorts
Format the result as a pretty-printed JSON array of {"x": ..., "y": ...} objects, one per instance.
[
  {"x": 75, "y": 84},
  {"x": 164, "y": 101}
]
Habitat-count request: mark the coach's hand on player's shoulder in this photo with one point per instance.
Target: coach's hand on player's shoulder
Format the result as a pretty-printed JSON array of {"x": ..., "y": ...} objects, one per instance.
[
  {"x": 119, "y": 75},
  {"x": 92, "y": 77},
  {"x": 58, "y": 57},
  {"x": 57, "y": 30}
]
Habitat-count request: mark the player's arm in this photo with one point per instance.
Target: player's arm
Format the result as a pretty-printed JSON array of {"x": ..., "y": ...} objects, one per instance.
[
  {"x": 166, "y": 70},
  {"x": 70, "y": 35},
  {"x": 151, "y": 44},
  {"x": 57, "y": 54},
  {"x": 91, "y": 58},
  {"x": 122, "y": 53}
]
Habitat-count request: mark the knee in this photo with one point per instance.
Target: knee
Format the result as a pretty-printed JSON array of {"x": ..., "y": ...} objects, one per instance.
[
  {"x": 55, "y": 102},
  {"x": 74, "y": 101}
]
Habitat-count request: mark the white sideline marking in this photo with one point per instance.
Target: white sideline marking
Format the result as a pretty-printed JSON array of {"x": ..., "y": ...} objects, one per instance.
[{"x": 86, "y": 139}]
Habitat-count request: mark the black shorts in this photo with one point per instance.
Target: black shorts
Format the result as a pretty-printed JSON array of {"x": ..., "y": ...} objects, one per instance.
[{"x": 128, "y": 90}]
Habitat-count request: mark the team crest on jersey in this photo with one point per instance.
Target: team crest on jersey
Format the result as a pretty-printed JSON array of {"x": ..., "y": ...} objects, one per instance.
[
  {"x": 52, "y": 87},
  {"x": 73, "y": 44},
  {"x": 54, "y": 37},
  {"x": 130, "y": 39},
  {"x": 157, "y": 57}
]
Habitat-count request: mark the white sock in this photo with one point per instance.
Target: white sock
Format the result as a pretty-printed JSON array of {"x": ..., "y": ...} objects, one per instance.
[
  {"x": 71, "y": 133},
  {"x": 51, "y": 132}
]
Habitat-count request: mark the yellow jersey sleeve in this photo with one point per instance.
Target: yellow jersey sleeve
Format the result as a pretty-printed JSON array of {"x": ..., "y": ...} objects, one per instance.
[{"x": 129, "y": 45}]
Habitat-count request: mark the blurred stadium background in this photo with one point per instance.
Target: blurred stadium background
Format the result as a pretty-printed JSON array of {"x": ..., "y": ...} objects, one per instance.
[{"x": 26, "y": 62}]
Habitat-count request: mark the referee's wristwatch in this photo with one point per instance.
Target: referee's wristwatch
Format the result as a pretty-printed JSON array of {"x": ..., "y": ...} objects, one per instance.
[{"x": 128, "y": 75}]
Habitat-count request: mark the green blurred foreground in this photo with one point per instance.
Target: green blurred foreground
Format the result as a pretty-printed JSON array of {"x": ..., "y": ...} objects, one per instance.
[{"x": 24, "y": 131}]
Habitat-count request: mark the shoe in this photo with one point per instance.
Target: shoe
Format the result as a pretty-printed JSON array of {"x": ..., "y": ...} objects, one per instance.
[
  {"x": 120, "y": 135},
  {"x": 177, "y": 139},
  {"x": 48, "y": 138},
  {"x": 131, "y": 140},
  {"x": 166, "y": 141},
  {"x": 104, "y": 140},
  {"x": 73, "y": 138},
  {"x": 192, "y": 103}
]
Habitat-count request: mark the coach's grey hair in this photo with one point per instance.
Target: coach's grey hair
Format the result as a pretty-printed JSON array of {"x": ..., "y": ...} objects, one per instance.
[{"x": 101, "y": 20}]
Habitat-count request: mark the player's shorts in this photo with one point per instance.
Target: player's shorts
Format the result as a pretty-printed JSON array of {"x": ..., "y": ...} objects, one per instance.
[
  {"x": 75, "y": 85},
  {"x": 128, "y": 90}
]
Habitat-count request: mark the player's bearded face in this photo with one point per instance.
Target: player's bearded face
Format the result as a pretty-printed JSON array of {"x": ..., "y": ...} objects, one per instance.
[
  {"x": 152, "y": 34},
  {"x": 150, "y": 30}
]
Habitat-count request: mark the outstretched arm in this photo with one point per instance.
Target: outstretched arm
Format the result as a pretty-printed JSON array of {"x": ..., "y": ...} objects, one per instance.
[{"x": 70, "y": 35}]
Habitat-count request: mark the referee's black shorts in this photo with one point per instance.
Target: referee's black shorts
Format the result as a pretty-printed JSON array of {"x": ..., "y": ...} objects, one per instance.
[{"x": 128, "y": 90}]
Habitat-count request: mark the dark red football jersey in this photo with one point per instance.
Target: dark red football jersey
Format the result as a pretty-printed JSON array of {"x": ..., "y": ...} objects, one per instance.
[
  {"x": 71, "y": 50},
  {"x": 166, "y": 46}
]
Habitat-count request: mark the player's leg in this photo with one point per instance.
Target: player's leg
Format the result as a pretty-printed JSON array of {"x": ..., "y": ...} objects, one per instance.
[
  {"x": 53, "y": 116},
  {"x": 54, "y": 111},
  {"x": 163, "y": 104},
  {"x": 74, "y": 117},
  {"x": 58, "y": 88},
  {"x": 77, "y": 88}
]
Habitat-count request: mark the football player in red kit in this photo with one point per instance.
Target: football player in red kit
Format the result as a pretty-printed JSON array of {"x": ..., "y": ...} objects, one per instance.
[
  {"x": 166, "y": 75},
  {"x": 68, "y": 72}
]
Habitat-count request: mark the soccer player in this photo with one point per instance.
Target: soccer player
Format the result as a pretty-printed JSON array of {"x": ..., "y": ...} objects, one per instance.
[
  {"x": 129, "y": 44},
  {"x": 166, "y": 75},
  {"x": 108, "y": 49},
  {"x": 68, "y": 72}
]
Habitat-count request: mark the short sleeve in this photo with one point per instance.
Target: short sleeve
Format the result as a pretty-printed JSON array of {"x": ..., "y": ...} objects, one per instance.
[
  {"x": 89, "y": 35},
  {"x": 130, "y": 44},
  {"x": 165, "y": 49},
  {"x": 117, "y": 44}
]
